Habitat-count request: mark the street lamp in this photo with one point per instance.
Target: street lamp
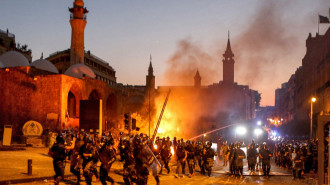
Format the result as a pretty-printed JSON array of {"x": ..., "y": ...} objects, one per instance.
[{"x": 312, "y": 101}]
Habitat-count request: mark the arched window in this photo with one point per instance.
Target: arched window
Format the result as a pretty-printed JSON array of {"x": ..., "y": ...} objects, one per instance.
[
  {"x": 94, "y": 95},
  {"x": 71, "y": 105}
]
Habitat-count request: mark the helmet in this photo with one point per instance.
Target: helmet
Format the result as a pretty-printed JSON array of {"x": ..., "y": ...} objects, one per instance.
[
  {"x": 104, "y": 139},
  {"x": 60, "y": 139},
  {"x": 111, "y": 141}
]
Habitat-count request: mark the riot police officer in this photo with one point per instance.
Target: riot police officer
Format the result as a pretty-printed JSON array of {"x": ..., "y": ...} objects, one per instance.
[
  {"x": 265, "y": 156},
  {"x": 208, "y": 156},
  {"x": 86, "y": 152},
  {"x": 58, "y": 151},
  {"x": 166, "y": 154},
  {"x": 238, "y": 161},
  {"x": 107, "y": 156},
  {"x": 190, "y": 157},
  {"x": 181, "y": 155}
]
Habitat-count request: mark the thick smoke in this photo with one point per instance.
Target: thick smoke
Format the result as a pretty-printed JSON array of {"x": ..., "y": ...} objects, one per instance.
[
  {"x": 266, "y": 54},
  {"x": 264, "y": 48},
  {"x": 189, "y": 57}
]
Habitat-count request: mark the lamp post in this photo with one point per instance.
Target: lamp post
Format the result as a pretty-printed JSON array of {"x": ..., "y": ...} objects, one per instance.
[{"x": 312, "y": 101}]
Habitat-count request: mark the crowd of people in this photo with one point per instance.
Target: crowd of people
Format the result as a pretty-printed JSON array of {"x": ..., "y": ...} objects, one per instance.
[
  {"x": 300, "y": 156},
  {"x": 141, "y": 155},
  {"x": 256, "y": 155},
  {"x": 138, "y": 153}
]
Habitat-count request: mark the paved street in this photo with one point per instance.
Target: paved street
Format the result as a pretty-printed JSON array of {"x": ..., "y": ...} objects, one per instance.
[{"x": 13, "y": 165}]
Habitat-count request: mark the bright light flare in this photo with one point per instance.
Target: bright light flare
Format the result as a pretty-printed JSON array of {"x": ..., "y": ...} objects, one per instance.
[
  {"x": 241, "y": 130},
  {"x": 259, "y": 123},
  {"x": 258, "y": 131},
  {"x": 172, "y": 150},
  {"x": 204, "y": 135},
  {"x": 313, "y": 99},
  {"x": 155, "y": 147}
]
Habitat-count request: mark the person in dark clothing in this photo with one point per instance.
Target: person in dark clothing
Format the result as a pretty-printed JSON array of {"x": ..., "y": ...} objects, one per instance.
[
  {"x": 265, "y": 156},
  {"x": 128, "y": 158},
  {"x": 252, "y": 155},
  {"x": 208, "y": 156},
  {"x": 190, "y": 157},
  {"x": 107, "y": 156},
  {"x": 86, "y": 152},
  {"x": 231, "y": 160},
  {"x": 238, "y": 161},
  {"x": 59, "y": 153},
  {"x": 165, "y": 153},
  {"x": 76, "y": 160},
  {"x": 181, "y": 154},
  {"x": 297, "y": 163}
]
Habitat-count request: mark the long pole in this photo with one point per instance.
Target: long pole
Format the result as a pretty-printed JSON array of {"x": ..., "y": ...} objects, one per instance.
[
  {"x": 329, "y": 156},
  {"x": 149, "y": 112},
  {"x": 311, "y": 119}
]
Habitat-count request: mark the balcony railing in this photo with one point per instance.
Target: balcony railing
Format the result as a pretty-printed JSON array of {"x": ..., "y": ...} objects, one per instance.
[{"x": 75, "y": 17}]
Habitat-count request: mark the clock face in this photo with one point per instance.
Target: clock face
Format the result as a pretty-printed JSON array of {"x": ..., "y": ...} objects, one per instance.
[{"x": 32, "y": 128}]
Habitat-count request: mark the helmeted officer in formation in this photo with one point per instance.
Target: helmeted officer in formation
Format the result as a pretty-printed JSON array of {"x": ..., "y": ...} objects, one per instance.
[
  {"x": 252, "y": 155},
  {"x": 165, "y": 153},
  {"x": 265, "y": 155},
  {"x": 107, "y": 156},
  {"x": 181, "y": 155},
  {"x": 59, "y": 153},
  {"x": 238, "y": 161},
  {"x": 208, "y": 156},
  {"x": 190, "y": 157}
]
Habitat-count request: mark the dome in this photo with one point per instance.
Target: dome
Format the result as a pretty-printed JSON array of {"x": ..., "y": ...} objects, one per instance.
[
  {"x": 79, "y": 71},
  {"x": 13, "y": 59},
  {"x": 44, "y": 65}
]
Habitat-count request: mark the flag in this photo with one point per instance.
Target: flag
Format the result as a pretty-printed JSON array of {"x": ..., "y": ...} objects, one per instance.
[{"x": 323, "y": 19}]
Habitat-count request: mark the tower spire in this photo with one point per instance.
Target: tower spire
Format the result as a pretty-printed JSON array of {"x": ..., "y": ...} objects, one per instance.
[
  {"x": 150, "y": 78},
  {"x": 228, "y": 53},
  {"x": 198, "y": 79},
  {"x": 228, "y": 64},
  {"x": 150, "y": 69},
  {"x": 78, "y": 23}
]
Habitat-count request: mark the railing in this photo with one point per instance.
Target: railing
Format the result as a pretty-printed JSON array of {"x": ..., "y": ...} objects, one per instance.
[
  {"x": 7, "y": 33},
  {"x": 75, "y": 17}
]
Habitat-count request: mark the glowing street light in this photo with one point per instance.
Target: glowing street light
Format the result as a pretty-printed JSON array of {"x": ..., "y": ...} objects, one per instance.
[
  {"x": 259, "y": 123},
  {"x": 204, "y": 135},
  {"x": 312, "y": 101},
  {"x": 241, "y": 130},
  {"x": 257, "y": 132}
]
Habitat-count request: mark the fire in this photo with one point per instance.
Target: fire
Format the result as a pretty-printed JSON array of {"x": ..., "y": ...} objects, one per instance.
[{"x": 172, "y": 150}]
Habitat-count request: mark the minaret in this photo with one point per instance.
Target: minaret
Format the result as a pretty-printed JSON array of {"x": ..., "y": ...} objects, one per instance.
[
  {"x": 198, "y": 80},
  {"x": 78, "y": 23},
  {"x": 228, "y": 65},
  {"x": 150, "y": 78}
]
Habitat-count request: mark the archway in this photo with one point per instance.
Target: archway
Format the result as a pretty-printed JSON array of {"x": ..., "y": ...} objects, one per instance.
[
  {"x": 72, "y": 107},
  {"x": 94, "y": 95},
  {"x": 111, "y": 111}
]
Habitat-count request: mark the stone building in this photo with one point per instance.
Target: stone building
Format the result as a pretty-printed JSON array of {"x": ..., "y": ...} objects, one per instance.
[
  {"x": 76, "y": 53},
  {"x": 214, "y": 105},
  {"x": 50, "y": 90},
  {"x": 311, "y": 79},
  {"x": 8, "y": 43}
]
